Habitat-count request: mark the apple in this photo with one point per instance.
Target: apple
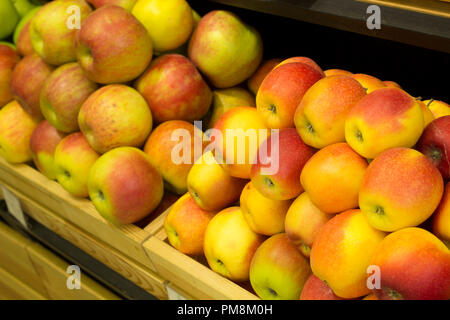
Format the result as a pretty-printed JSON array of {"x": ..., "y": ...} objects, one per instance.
[
  {"x": 107, "y": 120},
  {"x": 414, "y": 265},
  {"x": 27, "y": 80},
  {"x": 174, "y": 138},
  {"x": 185, "y": 225},
  {"x": 169, "y": 23},
  {"x": 308, "y": 61},
  {"x": 278, "y": 270},
  {"x": 24, "y": 6},
  {"x": 226, "y": 50},
  {"x": 370, "y": 83},
  {"x": 9, "y": 18},
  {"x": 103, "y": 58},
  {"x": 401, "y": 188},
  {"x": 263, "y": 215},
  {"x": 124, "y": 186},
  {"x": 435, "y": 144},
  {"x": 320, "y": 116},
  {"x": 16, "y": 128},
  {"x": 73, "y": 159},
  {"x": 384, "y": 119},
  {"x": 24, "y": 22},
  {"x": 287, "y": 154},
  {"x": 207, "y": 180},
  {"x": 335, "y": 72},
  {"x": 441, "y": 218},
  {"x": 22, "y": 37},
  {"x": 254, "y": 82},
  {"x": 62, "y": 95},
  {"x": 371, "y": 296},
  {"x": 43, "y": 143},
  {"x": 174, "y": 89},
  {"x": 242, "y": 130},
  {"x": 427, "y": 114},
  {"x": 438, "y": 108},
  {"x": 51, "y": 36},
  {"x": 332, "y": 178},
  {"x": 303, "y": 222},
  {"x": 282, "y": 90},
  {"x": 227, "y": 99},
  {"x": 392, "y": 84},
  {"x": 316, "y": 289},
  {"x": 230, "y": 244},
  {"x": 343, "y": 251},
  {"x": 8, "y": 60},
  {"x": 126, "y": 4}
]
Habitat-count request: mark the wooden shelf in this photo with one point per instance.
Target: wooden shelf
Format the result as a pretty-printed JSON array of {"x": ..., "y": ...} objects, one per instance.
[{"x": 432, "y": 7}]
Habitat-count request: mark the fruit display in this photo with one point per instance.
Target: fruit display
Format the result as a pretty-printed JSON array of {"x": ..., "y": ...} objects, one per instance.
[{"x": 288, "y": 179}]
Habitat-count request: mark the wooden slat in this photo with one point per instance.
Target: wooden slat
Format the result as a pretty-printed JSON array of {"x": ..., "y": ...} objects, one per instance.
[
  {"x": 11, "y": 288},
  {"x": 15, "y": 260},
  {"x": 80, "y": 212},
  {"x": 133, "y": 271},
  {"x": 434, "y": 7},
  {"x": 52, "y": 271}
]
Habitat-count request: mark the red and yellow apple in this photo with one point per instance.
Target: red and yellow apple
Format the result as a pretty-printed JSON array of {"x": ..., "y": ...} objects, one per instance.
[
  {"x": 242, "y": 130},
  {"x": 278, "y": 270},
  {"x": 320, "y": 116},
  {"x": 286, "y": 154},
  {"x": 8, "y": 60},
  {"x": 185, "y": 225},
  {"x": 438, "y": 108},
  {"x": 303, "y": 222},
  {"x": 427, "y": 114},
  {"x": 43, "y": 143},
  {"x": 207, "y": 181},
  {"x": 263, "y": 215},
  {"x": 316, "y": 289},
  {"x": 114, "y": 116},
  {"x": 73, "y": 159},
  {"x": 384, "y": 119},
  {"x": 435, "y": 144},
  {"x": 27, "y": 81},
  {"x": 281, "y": 92},
  {"x": 342, "y": 252},
  {"x": 254, "y": 82},
  {"x": 52, "y": 33},
  {"x": 168, "y": 199},
  {"x": 16, "y": 128},
  {"x": 335, "y": 72},
  {"x": 112, "y": 46},
  {"x": 174, "y": 89},
  {"x": 401, "y": 188},
  {"x": 226, "y": 50},
  {"x": 227, "y": 99},
  {"x": 392, "y": 84},
  {"x": 169, "y": 23},
  {"x": 441, "y": 218},
  {"x": 414, "y": 265},
  {"x": 124, "y": 186},
  {"x": 308, "y": 61},
  {"x": 370, "y": 83},
  {"x": 126, "y": 4},
  {"x": 172, "y": 150},
  {"x": 62, "y": 95},
  {"x": 333, "y": 176},
  {"x": 230, "y": 244}
]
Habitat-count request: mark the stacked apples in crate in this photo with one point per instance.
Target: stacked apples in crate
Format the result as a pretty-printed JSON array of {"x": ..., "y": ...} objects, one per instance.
[{"x": 311, "y": 184}]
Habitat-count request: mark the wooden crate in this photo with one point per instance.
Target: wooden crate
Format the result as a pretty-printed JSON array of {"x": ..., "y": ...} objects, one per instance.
[
  {"x": 29, "y": 184},
  {"x": 11, "y": 288},
  {"x": 195, "y": 277}
]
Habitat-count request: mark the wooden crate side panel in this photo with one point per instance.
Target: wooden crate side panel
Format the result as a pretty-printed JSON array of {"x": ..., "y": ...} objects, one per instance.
[
  {"x": 196, "y": 279},
  {"x": 53, "y": 271},
  {"x": 11, "y": 288},
  {"x": 24, "y": 180},
  {"x": 15, "y": 260},
  {"x": 139, "y": 275}
]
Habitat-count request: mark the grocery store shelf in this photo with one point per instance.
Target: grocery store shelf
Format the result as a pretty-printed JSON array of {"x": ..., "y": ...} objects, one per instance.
[
  {"x": 416, "y": 25},
  {"x": 434, "y": 7}
]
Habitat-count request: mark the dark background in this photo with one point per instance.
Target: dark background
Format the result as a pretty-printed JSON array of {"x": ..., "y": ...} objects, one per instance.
[{"x": 420, "y": 72}]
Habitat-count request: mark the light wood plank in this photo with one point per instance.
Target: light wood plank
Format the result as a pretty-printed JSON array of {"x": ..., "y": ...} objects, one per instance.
[{"x": 11, "y": 288}]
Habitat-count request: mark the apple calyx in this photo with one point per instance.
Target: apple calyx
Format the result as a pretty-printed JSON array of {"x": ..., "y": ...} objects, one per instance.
[
  {"x": 359, "y": 135},
  {"x": 272, "y": 108},
  {"x": 101, "y": 195},
  {"x": 379, "y": 210},
  {"x": 272, "y": 292},
  {"x": 435, "y": 154},
  {"x": 269, "y": 182},
  {"x": 393, "y": 294}
]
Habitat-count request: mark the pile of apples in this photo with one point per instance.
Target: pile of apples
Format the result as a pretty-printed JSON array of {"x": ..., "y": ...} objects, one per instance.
[{"x": 358, "y": 208}]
